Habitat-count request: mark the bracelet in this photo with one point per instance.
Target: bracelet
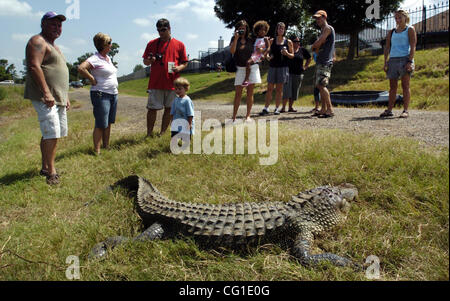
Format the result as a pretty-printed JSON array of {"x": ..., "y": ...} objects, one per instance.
[{"x": 410, "y": 61}]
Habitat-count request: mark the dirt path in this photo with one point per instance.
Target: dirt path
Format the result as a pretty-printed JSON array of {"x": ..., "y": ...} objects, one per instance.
[{"x": 431, "y": 128}]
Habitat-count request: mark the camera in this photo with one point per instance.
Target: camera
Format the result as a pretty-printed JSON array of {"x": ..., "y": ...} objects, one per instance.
[
  {"x": 157, "y": 56},
  {"x": 241, "y": 32}
]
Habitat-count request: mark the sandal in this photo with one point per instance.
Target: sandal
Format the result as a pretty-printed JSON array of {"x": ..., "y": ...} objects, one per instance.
[
  {"x": 245, "y": 84},
  {"x": 45, "y": 173},
  {"x": 404, "y": 115},
  {"x": 331, "y": 115},
  {"x": 386, "y": 113},
  {"x": 317, "y": 114},
  {"x": 53, "y": 179},
  {"x": 292, "y": 111}
]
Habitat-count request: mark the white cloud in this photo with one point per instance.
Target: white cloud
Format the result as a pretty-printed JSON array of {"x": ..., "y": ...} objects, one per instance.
[
  {"x": 142, "y": 22},
  {"x": 79, "y": 42},
  {"x": 180, "y": 5},
  {"x": 15, "y": 8},
  {"x": 191, "y": 36},
  {"x": 21, "y": 37},
  {"x": 213, "y": 44},
  {"x": 65, "y": 50},
  {"x": 148, "y": 36}
]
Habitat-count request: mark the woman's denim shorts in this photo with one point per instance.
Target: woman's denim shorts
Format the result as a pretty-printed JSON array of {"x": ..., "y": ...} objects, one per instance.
[{"x": 105, "y": 108}]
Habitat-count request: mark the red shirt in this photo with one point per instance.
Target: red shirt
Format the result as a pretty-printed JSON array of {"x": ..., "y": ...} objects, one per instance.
[{"x": 173, "y": 51}]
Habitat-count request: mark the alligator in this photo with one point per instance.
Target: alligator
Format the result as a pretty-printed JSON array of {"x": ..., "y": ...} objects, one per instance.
[{"x": 292, "y": 225}]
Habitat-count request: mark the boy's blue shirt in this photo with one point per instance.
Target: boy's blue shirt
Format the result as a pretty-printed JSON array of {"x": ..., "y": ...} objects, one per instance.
[{"x": 182, "y": 108}]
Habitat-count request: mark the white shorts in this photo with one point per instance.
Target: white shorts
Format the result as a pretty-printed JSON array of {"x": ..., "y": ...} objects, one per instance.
[
  {"x": 254, "y": 78},
  {"x": 160, "y": 99},
  {"x": 53, "y": 121}
]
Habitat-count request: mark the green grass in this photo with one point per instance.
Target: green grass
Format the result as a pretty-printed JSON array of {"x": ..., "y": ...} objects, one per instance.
[
  {"x": 429, "y": 85},
  {"x": 401, "y": 215},
  {"x": 13, "y": 101}
]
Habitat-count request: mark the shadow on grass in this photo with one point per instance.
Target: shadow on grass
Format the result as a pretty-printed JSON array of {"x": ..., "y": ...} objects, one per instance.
[
  {"x": 224, "y": 86},
  {"x": 18, "y": 177},
  {"x": 119, "y": 144}
]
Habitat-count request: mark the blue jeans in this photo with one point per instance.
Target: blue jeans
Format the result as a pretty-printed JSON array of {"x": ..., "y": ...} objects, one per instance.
[{"x": 105, "y": 108}]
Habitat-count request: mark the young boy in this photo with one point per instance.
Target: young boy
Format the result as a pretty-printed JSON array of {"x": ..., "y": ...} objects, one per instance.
[{"x": 182, "y": 113}]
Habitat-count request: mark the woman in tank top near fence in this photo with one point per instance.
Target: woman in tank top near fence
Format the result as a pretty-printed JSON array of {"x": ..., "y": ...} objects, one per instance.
[{"x": 400, "y": 50}]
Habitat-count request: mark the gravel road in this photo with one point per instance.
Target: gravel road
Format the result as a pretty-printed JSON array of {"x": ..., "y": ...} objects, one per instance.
[{"x": 429, "y": 127}]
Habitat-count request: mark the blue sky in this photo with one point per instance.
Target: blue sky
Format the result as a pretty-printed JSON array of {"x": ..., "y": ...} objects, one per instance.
[{"x": 130, "y": 23}]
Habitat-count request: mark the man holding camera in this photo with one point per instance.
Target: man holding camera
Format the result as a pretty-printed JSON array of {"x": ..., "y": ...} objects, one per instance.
[{"x": 167, "y": 58}]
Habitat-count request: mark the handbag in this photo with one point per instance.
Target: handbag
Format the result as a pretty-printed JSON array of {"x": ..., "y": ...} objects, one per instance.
[{"x": 230, "y": 64}]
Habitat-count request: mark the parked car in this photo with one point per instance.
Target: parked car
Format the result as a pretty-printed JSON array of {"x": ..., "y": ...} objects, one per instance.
[
  {"x": 76, "y": 84},
  {"x": 7, "y": 83}
]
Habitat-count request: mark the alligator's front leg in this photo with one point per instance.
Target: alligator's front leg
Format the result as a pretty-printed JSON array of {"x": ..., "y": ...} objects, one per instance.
[
  {"x": 100, "y": 250},
  {"x": 301, "y": 250},
  {"x": 154, "y": 232}
]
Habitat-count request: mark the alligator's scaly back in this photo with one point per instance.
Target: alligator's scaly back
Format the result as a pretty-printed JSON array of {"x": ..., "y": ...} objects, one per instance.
[
  {"x": 226, "y": 224},
  {"x": 294, "y": 224}
]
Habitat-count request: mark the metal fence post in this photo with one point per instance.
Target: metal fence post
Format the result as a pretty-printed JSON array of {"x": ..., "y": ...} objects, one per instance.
[{"x": 424, "y": 26}]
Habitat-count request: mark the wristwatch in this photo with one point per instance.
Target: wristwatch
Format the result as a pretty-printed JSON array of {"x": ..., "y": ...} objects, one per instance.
[{"x": 410, "y": 61}]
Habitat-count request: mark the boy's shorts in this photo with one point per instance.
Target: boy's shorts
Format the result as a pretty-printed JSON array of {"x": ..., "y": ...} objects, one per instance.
[
  {"x": 322, "y": 75},
  {"x": 53, "y": 121},
  {"x": 397, "y": 67},
  {"x": 160, "y": 99}
]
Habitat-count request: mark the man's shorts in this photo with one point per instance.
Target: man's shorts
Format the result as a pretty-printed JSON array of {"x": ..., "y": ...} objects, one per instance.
[
  {"x": 53, "y": 121},
  {"x": 322, "y": 75},
  {"x": 160, "y": 99},
  {"x": 397, "y": 67},
  {"x": 105, "y": 108}
]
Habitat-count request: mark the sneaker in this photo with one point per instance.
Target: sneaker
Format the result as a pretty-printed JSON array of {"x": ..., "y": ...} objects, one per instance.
[
  {"x": 276, "y": 112},
  {"x": 404, "y": 115},
  {"x": 264, "y": 112},
  {"x": 386, "y": 113}
]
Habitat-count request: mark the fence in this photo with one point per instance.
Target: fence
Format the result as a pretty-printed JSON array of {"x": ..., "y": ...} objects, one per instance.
[{"x": 429, "y": 21}]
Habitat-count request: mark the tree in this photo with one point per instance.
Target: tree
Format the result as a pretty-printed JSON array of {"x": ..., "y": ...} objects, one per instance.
[
  {"x": 350, "y": 17},
  {"x": 114, "y": 50},
  {"x": 272, "y": 11},
  {"x": 138, "y": 68},
  {"x": 7, "y": 72},
  {"x": 307, "y": 30}
]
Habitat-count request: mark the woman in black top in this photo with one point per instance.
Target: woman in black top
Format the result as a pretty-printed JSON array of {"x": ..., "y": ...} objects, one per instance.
[
  {"x": 297, "y": 66},
  {"x": 242, "y": 47},
  {"x": 281, "y": 49}
]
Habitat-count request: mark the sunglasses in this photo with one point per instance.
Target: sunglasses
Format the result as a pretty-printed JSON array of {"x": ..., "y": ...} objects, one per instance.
[
  {"x": 162, "y": 29},
  {"x": 296, "y": 41}
]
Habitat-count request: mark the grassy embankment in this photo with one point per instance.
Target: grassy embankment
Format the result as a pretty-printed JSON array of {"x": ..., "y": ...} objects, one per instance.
[
  {"x": 429, "y": 85},
  {"x": 401, "y": 216}
]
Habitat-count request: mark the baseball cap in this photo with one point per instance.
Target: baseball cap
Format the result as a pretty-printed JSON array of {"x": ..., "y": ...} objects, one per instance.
[
  {"x": 51, "y": 15},
  {"x": 321, "y": 13}
]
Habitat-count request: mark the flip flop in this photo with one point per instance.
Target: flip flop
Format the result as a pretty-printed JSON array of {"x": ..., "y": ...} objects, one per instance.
[{"x": 327, "y": 115}]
